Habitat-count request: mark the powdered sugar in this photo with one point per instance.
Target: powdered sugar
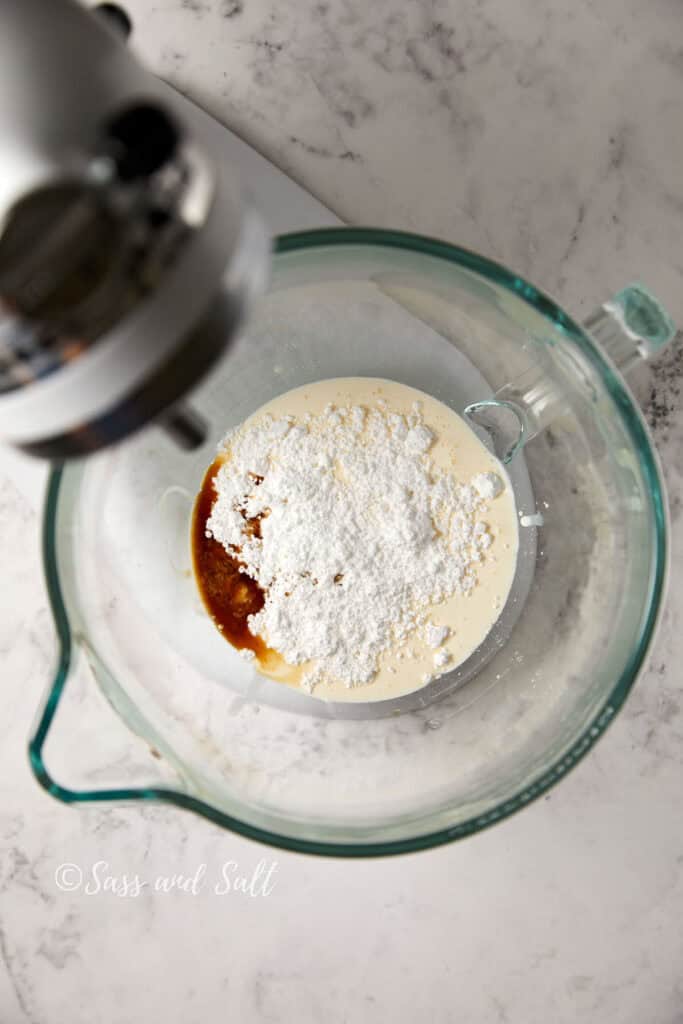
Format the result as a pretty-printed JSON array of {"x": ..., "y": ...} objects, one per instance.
[
  {"x": 435, "y": 635},
  {"x": 488, "y": 485},
  {"x": 359, "y": 532}
]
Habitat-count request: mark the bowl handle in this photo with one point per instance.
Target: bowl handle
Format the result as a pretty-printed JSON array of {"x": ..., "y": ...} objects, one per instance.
[
  {"x": 109, "y": 761},
  {"x": 134, "y": 757},
  {"x": 630, "y": 328}
]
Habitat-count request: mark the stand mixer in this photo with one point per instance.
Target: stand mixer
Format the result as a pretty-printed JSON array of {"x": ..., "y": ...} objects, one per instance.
[
  {"x": 128, "y": 258},
  {"x": 128, "y": 264}
]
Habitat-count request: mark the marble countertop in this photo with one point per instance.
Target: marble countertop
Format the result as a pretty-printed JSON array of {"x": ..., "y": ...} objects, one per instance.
[{"x": 544, "y": 134}]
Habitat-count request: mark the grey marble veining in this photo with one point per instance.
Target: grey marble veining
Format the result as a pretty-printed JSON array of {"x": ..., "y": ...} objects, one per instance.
[
  {"x": 540, "y": 133},
  {"x": 548, "y": 136}
]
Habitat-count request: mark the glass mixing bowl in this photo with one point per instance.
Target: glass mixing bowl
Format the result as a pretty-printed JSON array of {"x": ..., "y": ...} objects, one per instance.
[{"x": 275, "y": 764}]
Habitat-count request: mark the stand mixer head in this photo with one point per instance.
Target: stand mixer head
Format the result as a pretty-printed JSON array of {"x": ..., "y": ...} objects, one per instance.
[{"x": 128, "y": 260}]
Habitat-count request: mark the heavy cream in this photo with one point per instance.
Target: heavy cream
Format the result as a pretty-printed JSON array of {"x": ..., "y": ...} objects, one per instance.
[{"x": 373, "y": 534}]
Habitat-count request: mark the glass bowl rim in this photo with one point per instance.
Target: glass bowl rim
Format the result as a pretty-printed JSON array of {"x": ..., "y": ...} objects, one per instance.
[{"x": 649, "y": 464}]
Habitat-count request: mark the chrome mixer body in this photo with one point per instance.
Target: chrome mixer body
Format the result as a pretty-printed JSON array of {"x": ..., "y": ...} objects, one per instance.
[{"x": 128, "y": 258}]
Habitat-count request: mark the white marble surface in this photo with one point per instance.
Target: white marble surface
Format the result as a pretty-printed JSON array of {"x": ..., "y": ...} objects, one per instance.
[{"x": 547, "y": 135}]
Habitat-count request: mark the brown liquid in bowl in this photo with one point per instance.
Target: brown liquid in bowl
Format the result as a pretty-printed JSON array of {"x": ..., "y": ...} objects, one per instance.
[{"x": 229, "y": 595}]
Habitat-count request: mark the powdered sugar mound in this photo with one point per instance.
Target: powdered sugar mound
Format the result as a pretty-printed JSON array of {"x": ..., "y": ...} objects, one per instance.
[
  {"x": 488, "y": 485},
  {"x": 358, "y": 533},
  {"x": 435, "y": 635},
  {"x": 419, "y": 439}
]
